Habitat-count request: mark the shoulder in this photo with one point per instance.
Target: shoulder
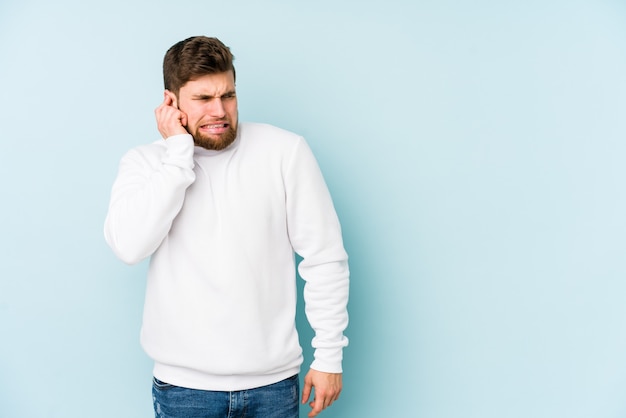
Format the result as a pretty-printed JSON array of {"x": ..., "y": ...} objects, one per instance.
[
  {"x": 156, "y": 147},
  {"x": 175, "y": 145},
  {"x": 264, "y": 143},
  {"x": 266, "y": 134},
  {"x": 145, "y": 154}
]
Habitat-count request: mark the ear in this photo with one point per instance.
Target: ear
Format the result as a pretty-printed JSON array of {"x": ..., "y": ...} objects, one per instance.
[{"x": 172, "y": 97}]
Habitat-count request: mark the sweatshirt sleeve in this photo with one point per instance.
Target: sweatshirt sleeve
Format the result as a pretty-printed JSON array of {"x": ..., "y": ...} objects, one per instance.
[
  {"x": 147, "y": 195},
  {"x": 315, "y": 234}
]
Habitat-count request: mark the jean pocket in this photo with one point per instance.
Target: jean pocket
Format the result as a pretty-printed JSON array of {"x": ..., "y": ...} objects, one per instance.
[{"x": 160, "y": 385}]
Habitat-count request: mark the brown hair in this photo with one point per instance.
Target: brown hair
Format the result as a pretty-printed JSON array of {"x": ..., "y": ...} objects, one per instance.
[{"x": 193, "y": 58}]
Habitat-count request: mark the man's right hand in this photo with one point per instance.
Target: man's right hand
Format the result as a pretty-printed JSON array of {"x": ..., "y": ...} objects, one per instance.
[{"x": 170, "y": 120}]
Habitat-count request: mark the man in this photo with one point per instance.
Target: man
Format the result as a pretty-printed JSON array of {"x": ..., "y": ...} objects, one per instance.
[{"x": 222, "y": 207}]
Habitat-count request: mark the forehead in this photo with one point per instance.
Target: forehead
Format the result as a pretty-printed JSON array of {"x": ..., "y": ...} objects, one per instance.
[{"x": 210, "y": 84}]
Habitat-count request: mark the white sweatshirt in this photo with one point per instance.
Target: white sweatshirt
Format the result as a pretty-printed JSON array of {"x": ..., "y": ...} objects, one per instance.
[{"x": 222, "y": 228}]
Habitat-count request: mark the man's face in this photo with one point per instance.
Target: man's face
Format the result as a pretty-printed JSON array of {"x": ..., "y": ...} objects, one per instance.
[{"x": 210, "y": 104}]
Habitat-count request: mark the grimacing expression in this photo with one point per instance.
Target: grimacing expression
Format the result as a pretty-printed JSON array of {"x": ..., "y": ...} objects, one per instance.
[{"x": 210, "y": 103}]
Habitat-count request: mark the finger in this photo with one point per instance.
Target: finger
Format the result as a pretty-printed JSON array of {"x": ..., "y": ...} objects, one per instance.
[
  {"x": 172, "y": 98},
  {"x": 315, "y": 410},
  {"x": 167, "y": 100},
  {"x": 318, "y": 405},
  {"x": 306, "y": 391}
]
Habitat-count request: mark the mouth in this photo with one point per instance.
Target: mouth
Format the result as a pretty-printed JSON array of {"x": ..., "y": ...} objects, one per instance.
[{"x": 215, "y": 128}]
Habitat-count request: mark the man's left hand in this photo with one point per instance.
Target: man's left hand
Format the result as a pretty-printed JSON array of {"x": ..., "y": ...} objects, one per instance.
[{"x": 327, "y": 388}]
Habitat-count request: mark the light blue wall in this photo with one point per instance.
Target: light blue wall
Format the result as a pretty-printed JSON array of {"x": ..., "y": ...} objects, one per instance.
[{"x": 476, "y": 152}]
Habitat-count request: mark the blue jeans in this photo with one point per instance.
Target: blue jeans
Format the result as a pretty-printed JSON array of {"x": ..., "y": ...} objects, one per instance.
[{"x": 279, "y": 400}]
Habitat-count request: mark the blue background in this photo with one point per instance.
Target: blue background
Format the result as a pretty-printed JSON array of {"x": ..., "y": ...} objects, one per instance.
[{"x": 475, "y": 152}]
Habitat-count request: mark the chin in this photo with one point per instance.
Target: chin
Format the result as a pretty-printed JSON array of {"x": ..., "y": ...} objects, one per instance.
[{"x": 216, "y": 144}]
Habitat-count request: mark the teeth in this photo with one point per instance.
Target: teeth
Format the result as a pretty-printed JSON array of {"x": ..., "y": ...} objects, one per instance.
[{"x": 215, "y": 126}]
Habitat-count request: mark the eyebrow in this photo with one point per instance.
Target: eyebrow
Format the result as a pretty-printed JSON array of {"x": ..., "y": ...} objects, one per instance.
[{"x": 208, "y": 96}]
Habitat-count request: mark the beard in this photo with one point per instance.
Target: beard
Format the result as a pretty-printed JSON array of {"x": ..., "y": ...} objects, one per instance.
[{"x": 216, "y": 142}]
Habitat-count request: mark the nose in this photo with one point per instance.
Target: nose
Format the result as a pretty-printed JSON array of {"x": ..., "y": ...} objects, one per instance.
[{"x": 216, "y": 108}]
